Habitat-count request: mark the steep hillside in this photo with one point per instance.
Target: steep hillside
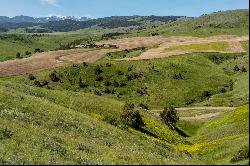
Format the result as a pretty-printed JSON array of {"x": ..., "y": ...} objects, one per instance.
[
  {"x": 223, "y": 139},
  {"x": 58, "y": 127}
]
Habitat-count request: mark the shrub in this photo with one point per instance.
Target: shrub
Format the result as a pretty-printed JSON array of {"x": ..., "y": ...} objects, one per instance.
[
  {"x": 84, "y": 64},
  {"x": 218, "y": 59},
  {"x": 98, "y": 70},
  {"x": 82, "y": 84},
  {"x": 44, "y": 82},
  {"x": 108, "y": 64},
  {"x": 120, "y": 72},
  {"x": 37, "y": 83},
  {"x": 31, "y": 77},
  {"x": 236, "y": 68},
  {"x": 131, "y": 118},
  {"x": 115, "y": 84},
  {"x": 18, "y": 55},
  {"x": 169, "y": 116},
  {"x": 206, "y": 94},
  {"x": 111, "y": 119},
  {"x": 222, "y": 90},
  {"x": 243, "y": 69},
  {"x": 231, "y": 85},
  {"x": 122, "y": 84},
  {"x": 130, "y": 68},
  {"x": 97, "y": 92},
  {"x": 107, "y": 90},
  {"x": 142, "y": 91},
  {"x": 242, "y": 154},
  {"x": 178, "y": 76},
  {"x": 38, "y": 50},
  {"x": 54, "y": 76},
  {"x": 133, "y": 76},
  {"x": 107, "y": 83},
  {"x": 27, "y": 53}
]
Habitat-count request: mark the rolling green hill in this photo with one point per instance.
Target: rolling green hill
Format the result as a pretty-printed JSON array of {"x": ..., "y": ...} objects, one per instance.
[
  {"x": 10, "y": 44},
  {"x": 61, "y": 127},
  {"x": 182, "y": 80},
  {"x": 234, "y": 22},
  {"x": 77, "y": 113}
]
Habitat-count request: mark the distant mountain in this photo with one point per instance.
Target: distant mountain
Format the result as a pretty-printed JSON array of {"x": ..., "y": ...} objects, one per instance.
[
  {"x": 64, "y": 24},
  {"x": 28, "y": 19}
]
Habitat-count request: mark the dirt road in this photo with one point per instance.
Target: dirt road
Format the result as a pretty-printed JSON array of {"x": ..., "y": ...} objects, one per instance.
[{"x": 198, "y": 113}]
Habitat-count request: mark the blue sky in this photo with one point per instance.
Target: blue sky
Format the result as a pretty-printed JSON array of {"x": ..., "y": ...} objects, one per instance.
[{"x": 103, "y": 8}]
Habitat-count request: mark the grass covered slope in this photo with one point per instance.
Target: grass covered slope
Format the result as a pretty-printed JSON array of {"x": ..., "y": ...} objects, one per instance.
[
  {"x": 223, "y": 139},
  {"x": 232, "y": 22},
  {"x": 10, "y": 44},
  {"x": 240, "y": 82},
  {"x": 180, "y": 80},
  {"x": 41, "y": 126}
]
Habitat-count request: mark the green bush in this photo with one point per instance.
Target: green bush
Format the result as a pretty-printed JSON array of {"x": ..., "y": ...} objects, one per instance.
[
  {"x": 131, "y": 118},
  {"x": 31, "y": 77},
  {"x": 223, "y": 90},
  {"x": 27, "y": 53},
  {"x": 18, "y": 55},
  {"x": 97, "y": 92},
  {"x": 236, "y": 68},
  {"x": 54, "y": 76},
  {"x": 243, "y": 69},
  {"x": 206, "y": 94},
  {"x": 98, "y": 70},
  {"x": 169, "y": 116},
  {"x": 37, "y": 83}
]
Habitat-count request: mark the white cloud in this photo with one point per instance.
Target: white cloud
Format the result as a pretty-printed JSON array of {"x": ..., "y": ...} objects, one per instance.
[{"x": 49, "y": 2}]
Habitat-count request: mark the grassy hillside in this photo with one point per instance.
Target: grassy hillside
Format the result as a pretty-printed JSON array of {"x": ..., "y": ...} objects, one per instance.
[
  {"x": 74, "y": 114},
  {"x": 223, "y": 139},
  {"x": 234, "y": 22},
  {"x": 240, "y": 89},
  {"x": 41, "y": 126},
  {"x": 10, "y": 44},
  {"x": 181, "y": 80}
]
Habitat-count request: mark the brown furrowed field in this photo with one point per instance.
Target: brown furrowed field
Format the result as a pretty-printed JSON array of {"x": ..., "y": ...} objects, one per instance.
[{"x": 59, "y": 58}]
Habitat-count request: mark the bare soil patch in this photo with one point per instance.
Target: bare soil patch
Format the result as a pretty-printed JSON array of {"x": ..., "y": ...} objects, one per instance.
[{"x": 59, "y": 58}]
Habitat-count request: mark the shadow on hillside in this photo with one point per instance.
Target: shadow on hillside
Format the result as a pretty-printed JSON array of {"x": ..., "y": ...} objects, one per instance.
[
  {"x": 182, "y": 133},
  {"x": 148, "y": 133}
]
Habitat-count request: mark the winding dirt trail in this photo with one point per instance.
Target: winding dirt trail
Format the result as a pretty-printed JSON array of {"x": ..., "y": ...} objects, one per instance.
[{"x": 216, "y": 111}]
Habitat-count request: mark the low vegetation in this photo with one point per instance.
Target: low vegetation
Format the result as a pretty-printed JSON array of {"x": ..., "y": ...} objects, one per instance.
[{"x": 215, "y": 46}]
